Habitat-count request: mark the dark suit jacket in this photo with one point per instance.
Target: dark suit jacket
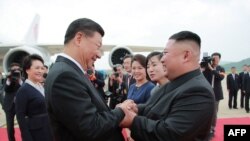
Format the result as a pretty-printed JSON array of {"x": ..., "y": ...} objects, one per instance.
[
  {"x": 76, "y": 110},
  {"x": 241, "y": 80},
  {"x": 246, "y": 83},
  {"x": 181, "y": 110},
  {"x": 217, "y": 81},
  {"x": 125, "y": 81},
  {"x": 32, "y": 115},
  {"x": 10, "y": 94},
  {"x": 233, "y": 84}
]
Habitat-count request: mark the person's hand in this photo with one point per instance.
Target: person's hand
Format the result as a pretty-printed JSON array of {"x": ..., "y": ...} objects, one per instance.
[
  {"x": 128, "y": 119},
  {"x": 210, "y": 66},
  {"x": 127, "y": 105},
  {"x": 223, "y": 74},
  {"x": 119, "y": 79}
]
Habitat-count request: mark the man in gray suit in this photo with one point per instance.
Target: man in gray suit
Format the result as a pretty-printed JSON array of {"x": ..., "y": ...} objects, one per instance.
[
  {"x": 76, "y": 110},
  {"x": 181, "y": 110}
]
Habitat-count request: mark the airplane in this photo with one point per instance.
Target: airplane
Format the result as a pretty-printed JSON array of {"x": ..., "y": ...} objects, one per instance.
[{"x": 10, "y": 53}]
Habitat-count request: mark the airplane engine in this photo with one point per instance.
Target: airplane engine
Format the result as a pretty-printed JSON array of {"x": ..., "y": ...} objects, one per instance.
[
  {"x": 117, "y": 53},
  {"x": 17, "y": 55}
]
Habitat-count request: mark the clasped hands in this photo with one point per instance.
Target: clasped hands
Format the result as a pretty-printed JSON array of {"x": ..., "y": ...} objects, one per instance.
[{"x": 130, "y": 109}]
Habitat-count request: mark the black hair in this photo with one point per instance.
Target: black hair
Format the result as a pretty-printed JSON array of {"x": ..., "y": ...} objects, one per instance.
[
  {"x": 152, "y": 54},
  {"x": 186, "y": 35},
  {"x": 142, "y": 60},
  {"x": 46, "y": 66},
  {"x": 216, "y": 54},
  {"x": 27, "y": 62},
  {"x": 84, "y": 25},
  {"x": 14, "y": 64},
  {"x": 127, "y": 56}
]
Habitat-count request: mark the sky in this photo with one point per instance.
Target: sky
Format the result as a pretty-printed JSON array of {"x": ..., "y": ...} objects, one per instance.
[{"x": 223, "y": 25}]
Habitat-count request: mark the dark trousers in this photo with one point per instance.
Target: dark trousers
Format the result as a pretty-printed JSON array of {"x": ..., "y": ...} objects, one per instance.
[
  {"x": 232, "y": 98},
  {"x": 247, "y": 101},
  {"x": 10, "y": 115},
  {"x": 216, "y": 108},
  {"x": 242, "y": 96}
]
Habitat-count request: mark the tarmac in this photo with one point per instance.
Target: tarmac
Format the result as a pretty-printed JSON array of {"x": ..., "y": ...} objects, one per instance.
[{"x": 224, "y": 111}]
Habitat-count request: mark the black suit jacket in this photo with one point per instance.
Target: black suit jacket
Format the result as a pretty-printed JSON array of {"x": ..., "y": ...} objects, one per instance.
[
  {"x": 10, "y": 94},
  {"x": 217, "y": 81},
  {"x": 126, "y": 79},
  {"x": 246, "y": 83},
  {"x": 241, "y": 79},
  {"x": 76, "y": 110},
  {"x": 232, "y": 84},
  {"x": 181, "y": 110}
]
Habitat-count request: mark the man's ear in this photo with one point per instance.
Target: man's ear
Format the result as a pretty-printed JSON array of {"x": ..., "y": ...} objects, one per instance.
[{"x": 78, "y": 38}]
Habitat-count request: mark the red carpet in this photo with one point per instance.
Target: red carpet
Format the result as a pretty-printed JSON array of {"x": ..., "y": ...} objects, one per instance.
[
  {"x": 219, "y": 136},
  {"x": 4, "y": 136}
]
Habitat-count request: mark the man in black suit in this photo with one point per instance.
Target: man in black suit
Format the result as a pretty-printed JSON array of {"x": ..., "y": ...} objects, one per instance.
[
  {"x": 12, "y": 84},
  {"x": 241, "y": 80},
  {"x": 246, "y": 88},
  {"x": 233, "y": 87},
  {"x": 128, "y": 78},
  {"x": 181, "y": 110},
  {"x": 1, "y": 89},
  {"x": 214, "y": 73},
  {"x": 76, "y": 110}
]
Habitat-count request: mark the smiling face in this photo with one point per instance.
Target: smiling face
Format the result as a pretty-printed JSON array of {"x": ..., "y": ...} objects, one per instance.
[
  {"x": 127, "y": 64},
  {"x": 172, "y": 58},
  {"x": 87, "y": 48},
  {"x": 35, "y": 72},
  {"x": 138, "y": 71},
  {"x": 155, "y": 69},
  {"x": 90, "y": 48}
]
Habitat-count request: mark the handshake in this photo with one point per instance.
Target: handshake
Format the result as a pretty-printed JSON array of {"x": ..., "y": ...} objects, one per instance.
[{"x": 130, "y": 109}]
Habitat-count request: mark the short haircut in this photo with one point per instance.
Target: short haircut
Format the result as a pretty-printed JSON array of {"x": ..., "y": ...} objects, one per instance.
[
  {"x": 27, "y": 62},
  {"x": 14, "y": 64},
  {"x": 216, "y": 54},
  {"x": 84, "y": 25},
  {"x": 233, "y": 67},
  {"x": 127, "y": 56},
  {"x": 152, "y": 54},
  {"x": 186, "y": 36}
]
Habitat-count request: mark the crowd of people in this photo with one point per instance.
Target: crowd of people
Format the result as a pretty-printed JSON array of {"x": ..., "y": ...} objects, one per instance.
[{"x": 165, "y": 95}]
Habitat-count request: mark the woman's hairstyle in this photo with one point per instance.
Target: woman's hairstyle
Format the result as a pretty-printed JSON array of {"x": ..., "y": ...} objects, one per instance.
[
  {"x": 27, "y": 62},
  {"x": 152, "y": 54},
  {"x": 141, "y": 59}
]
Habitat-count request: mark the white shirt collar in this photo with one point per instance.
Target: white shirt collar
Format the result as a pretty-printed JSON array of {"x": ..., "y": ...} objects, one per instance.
[
  {"x": 37, "y": 86},
  {"x": 73, "y": 60}
]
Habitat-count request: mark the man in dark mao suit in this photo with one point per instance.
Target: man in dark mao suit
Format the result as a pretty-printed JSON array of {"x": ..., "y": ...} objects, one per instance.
[
  {"x": 241, "y": 80},
  {"x": 76, "y": 110},
  {"x": 233, "y": 87},
  {"x": 181, "y": 110},
  {"x": 246, "y": 88}
]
